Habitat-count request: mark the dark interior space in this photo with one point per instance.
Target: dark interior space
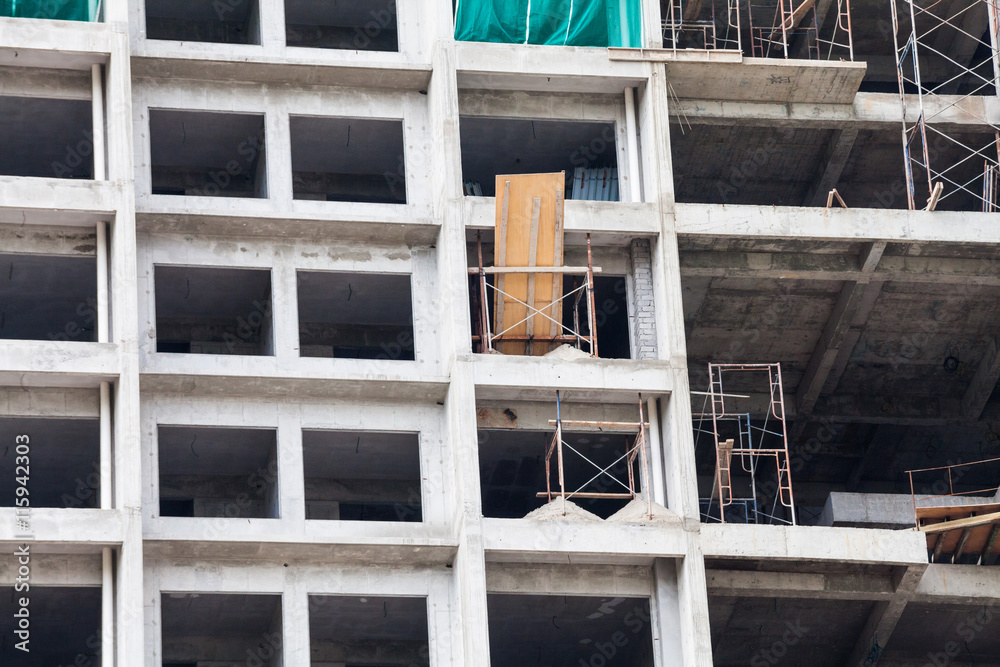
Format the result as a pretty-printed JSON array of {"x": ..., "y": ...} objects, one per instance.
[
  {"x": 227, "y": 628},
  {"x": 512, "y": 470},
  {"x": 48, "y": 297},
  {"x": 355, "y": 315},
  {"x": 221, "y": 21},
  {"x": 348, "y": 160},
  {"x": 909, "y": 374},
  {"x": 207, "y": 154},
  {"x": 64, "y": 470},
  {"x": 358, "y": 25},
  {"x": 218, "y": 472},
  {"x": 362, "y": 475},
  {"x": 733, "y": 164},
  {"x": 47, "y": 138},
  {"x": 65, "y": 626},
  {"x": 569, "y": 631},
  {"x": 213, "y": 311},
  {"x": 492, "y": 146},
  {"x": 355, "y": 630}
]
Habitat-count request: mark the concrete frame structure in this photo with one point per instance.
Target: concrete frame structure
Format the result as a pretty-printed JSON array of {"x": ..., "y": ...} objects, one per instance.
[{"x": 455, "y": 556}]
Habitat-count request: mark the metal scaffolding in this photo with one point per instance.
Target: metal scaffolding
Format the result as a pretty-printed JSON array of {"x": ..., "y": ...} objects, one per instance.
[
  {"x": 777, "y": 28},
  {"x": 636, "y": 452},
  {"x": 940, "y": 162},
  {"x": 483, "y": 325},
  {"x": 751, "y": 443}
]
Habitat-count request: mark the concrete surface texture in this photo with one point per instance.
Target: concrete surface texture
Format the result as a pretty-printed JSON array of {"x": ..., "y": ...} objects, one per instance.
[{"x": 238, "y": 326}]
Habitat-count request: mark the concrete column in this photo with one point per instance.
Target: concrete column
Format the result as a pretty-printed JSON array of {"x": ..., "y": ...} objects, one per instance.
[
  {"x": 272, "y": 24},
  {"x": 632, "y": 144},
  {"x": 295, "y": 623},
  {"x": 97, "y": 113},
  {"x": 284, "y": 310},
  {"x": 278, "y": 155},
  {"x": 666, "y": 614},
  {"x": 291, "y": 476},
  {"x": 107, "y": 607}
]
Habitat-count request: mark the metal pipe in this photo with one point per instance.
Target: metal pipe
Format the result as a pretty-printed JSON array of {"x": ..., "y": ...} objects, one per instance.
[
  {"x": 107, "y": 609},
  {"x": 97, "y": 111},
  {"x": 632, "y": 144}
]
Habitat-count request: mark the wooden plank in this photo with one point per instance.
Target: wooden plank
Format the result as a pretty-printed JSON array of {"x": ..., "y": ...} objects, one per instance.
[
  {"x": 956, "y": 524},
  {"x": 518, "y": 244},
  {"x": 956, "y": 511}
]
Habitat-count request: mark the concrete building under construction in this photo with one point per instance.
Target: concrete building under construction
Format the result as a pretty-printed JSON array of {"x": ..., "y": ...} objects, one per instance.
[{"x": 372, "y": 333}]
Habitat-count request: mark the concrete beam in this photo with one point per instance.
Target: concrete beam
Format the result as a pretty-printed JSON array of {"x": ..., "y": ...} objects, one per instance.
[
  {"x": 604, "y": 580},
  {"x": 812, "y": 585},
  {"x": 845, "y": 314},
  {"x": 855, "y": 224},
  {"x": 958, "y": 584},
  {"x": 835, "y": 158},
  {"x": 865, "y": 111},
  {"x": 983, "y": 382},
  {"x": 809, "y": 266}
]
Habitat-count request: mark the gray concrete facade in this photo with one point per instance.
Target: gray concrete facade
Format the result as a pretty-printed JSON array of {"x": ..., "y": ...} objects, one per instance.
[{"x": 699, "y": 281}]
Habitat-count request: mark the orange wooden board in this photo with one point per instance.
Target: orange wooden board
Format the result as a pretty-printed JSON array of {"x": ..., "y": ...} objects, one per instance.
[
  {"x": 978, "y": 535},
  {"x": 529, "y": 232}
]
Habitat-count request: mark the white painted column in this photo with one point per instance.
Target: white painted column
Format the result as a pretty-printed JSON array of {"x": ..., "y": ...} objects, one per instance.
[
  {"x": 632, "y": 143},
  {"x": 97, "y": 110},
  {"x": 107, "y": 607},
  {"x": 103, "y": 314}
]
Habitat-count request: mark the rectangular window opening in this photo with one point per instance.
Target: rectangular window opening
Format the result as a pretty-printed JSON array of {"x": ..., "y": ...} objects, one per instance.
[
  {"x": 368, "y": 631},
  {"x": 63, "y": 470},
  {"x": 69, "y": 620},
  {"x": 218, "y": 472},
  {"x": 355, "y": 315},
  {"x": 207, "y": 154},
  {"x": 48, "y": 297},
  {"x": 357, "y": 25},
  {"x": 569, "y": 630},
  {"x": 220, "y": 21},
  {"x": 213, "y": 311},
  {"x": 221, "y": 628},
  {"x": 348, "y": 160},
  {"x": 46, "y": 138},
  {"x": 584, "y": 150},
  {"x": 362, "y": 476}
]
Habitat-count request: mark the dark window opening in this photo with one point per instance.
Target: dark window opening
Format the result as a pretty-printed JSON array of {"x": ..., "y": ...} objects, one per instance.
[
  {"x": 355, "y": 315},
  {"x": 222, "y": 21},
  {"x": 362, "y": 476},
  {"x": 569, "y": 630},
  {"x": 207, "y": 154},
  {"x": 369, "y": 631},
  {"x": 48, "y": 297},
  {"x": 65, "y": 626},
  {"x": 512, "y": 470},
  {"x": 358, "y": 25},
  {"x": 348, "y": 160},
  {"x": 213, "y": 311},
  {"x": 218, "y": 472},
  {"x": 46, "y": 138},
  {"x": 584, "y": 150},
  {"x": 221, "y": 628},
  {"x": 64, "y": 470}
]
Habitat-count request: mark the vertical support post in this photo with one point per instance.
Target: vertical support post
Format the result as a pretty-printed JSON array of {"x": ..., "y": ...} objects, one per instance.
[
  {"x": 103, "y": 305},
  {"x": 655, "y": 456},
  {"x": 632, "y": 145},
  {"x": 97, "y": 112},
  {"x": 107, "y": 608},
  {"x": 646, "y": 486},
  {"x": 107, "y": 499},
  {"x": 591, "y": 307},
  {"x": 559, "y": 439}
]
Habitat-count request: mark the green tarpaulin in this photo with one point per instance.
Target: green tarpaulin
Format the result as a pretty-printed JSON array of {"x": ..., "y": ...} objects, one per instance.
[
  {"x": 63, "y": 10},
  {"x": 552, "y": 22}
]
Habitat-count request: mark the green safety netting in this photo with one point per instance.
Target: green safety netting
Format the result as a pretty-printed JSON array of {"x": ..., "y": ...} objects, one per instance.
[
  {"x": 63, "y": 10},
  {"x": 551, "y": 22}
]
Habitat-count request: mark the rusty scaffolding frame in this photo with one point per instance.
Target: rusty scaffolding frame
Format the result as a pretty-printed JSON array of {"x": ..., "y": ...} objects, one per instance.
[
  {"x": 749, "y": 450},
  {"x": 915, "y": 29},
  {"x": 483, "y": 325},
  {"x": 772, "y": 34},
  {"x": 635, "y": 452},
  {"x": 966, "y": 527}
]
